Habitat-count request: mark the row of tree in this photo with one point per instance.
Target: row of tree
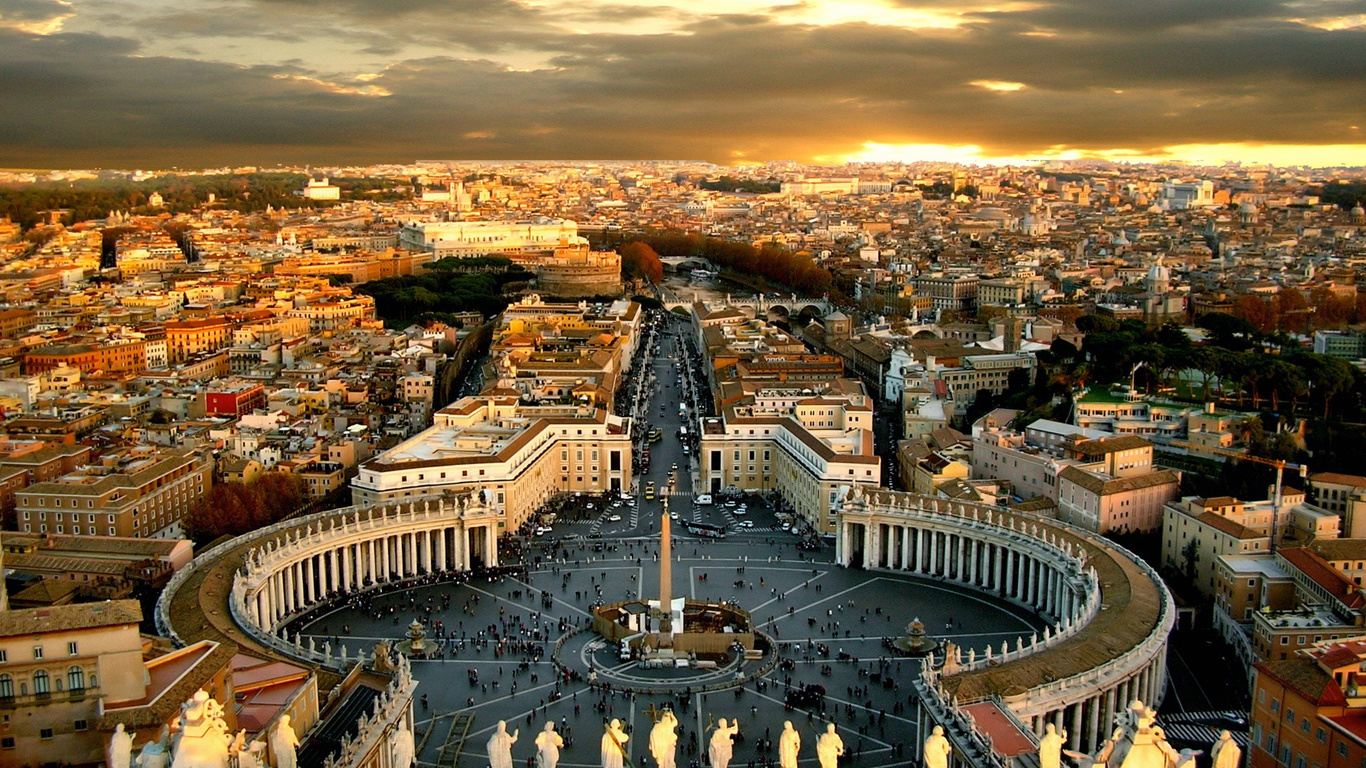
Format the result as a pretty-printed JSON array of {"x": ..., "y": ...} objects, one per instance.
[
  {"x": 1291, "y": 311},
  {"x": 774, "y": 265},
  {"x": 232, "y": 509}
]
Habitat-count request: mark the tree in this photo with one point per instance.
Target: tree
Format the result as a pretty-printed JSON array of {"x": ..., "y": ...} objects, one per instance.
[{"x": 639, "y": 260}]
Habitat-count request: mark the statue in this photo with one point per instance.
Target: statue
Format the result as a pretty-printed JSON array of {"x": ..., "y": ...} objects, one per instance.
[
  {"x": 252, "y": 756},
  {"x": 663, "y": 740},
  {"x": 156, "y": 754},
  {"x": 789, "y": 744},
  {"x": 203, "y": 740},
  {"x": 829, "y": 748},
  {"x": 548, "y": 745},
  {"x": 282, "y": 744},
  {"x": 721, "y": 747},
  {"x": 937, "y": 749},
  {"x": 120, "y": 748},
  {"x": 401, "y": 747},
  {"x": 613, "y": 750},
  {"x": 1050, "y": 747},
  {"x": 1226, "y": 753},
  {"x": 500, "y": 746}
]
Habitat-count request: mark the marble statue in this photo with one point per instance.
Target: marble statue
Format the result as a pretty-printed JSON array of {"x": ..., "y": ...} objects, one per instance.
[
  {"x": 402, "y": 748},
  {"x": 1050, "y": 747},
  {"x": 722, "y": 747},
  {"x": 613, "y": 748},
  {"x": 253, "y": 755},
  {"x": 155, "y": 754},
  {"x": 789, "y": 744},
  {"x": 1226, "y": 754},
  {"x": 937, "y": 749},
  {"x": 664, "y": 740},
  {"x": 283, "y": 742},
  {"x": 500, "y": 746},
  {"x": 548, "y": 745},
  {"x": 120, "y": 748},
  {"x": 829, "y": 748},
  {"x": 203, "y": 740},
  {"x": 1138, "y": 742}
]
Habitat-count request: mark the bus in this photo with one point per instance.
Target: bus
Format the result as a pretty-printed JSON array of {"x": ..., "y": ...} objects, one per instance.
[{"x": 705, "y": 530}]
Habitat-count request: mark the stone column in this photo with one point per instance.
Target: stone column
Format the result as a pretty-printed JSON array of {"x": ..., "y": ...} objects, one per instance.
[
  {"x": 491, "y": 533},
  {"x": 370, "y": 547},
  {"x": 385, "y": 545},
  {"x": 921, "y": 550},
  {"x": 346, "y": 568},
  {"x": 412, "y": 554},
  {"x": 1093, "y": 722},
  {"x": 442, "y": 563},
  {"x": 332, "y": 570},
  {"x": 1074, "y": 738}
]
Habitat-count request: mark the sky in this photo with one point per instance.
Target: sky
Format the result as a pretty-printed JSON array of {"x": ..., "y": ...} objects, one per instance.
[{"x": 196, "y": 83}]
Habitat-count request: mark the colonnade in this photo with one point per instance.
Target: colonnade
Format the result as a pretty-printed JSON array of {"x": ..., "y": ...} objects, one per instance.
[
  {"x": 341, "y": 563},
  {"x": 1041, "y": 564},
  {"x": 1044, "y": 579}
]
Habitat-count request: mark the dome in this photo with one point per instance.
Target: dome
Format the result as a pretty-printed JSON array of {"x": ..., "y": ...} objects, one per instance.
[
  {"x": 1159, "y": 272},
  {"x": 1120, "y": 239},
  {"x": 1358, "y": 213},
  {"x": 991, "y": 214}
]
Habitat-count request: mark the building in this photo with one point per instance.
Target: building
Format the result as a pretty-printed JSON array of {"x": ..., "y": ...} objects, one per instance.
[
  {"x": 1307, "y": 709},
  {"x": 519, "y": 454},
  {"x": 1327, "y": 606},
  {"x": 460, "y": 239},
  {"x": 100, "y": 567},
  {"x": 809, "y": 448},
  {"x": 234, "y": 398},
  {"x": 1100, "y": 503},
  {"x": 139, "y": 492},
  {"x": 58, "y": 666},
  {"x": 1348, "y": 344},
  {"x": 321, "y": 189},
  {"x": 1197, "y": 532},
  {"x": 186, "y": 339},
  {"x": 1344, "y": 495},
  {"x": 957, "y": 293}
]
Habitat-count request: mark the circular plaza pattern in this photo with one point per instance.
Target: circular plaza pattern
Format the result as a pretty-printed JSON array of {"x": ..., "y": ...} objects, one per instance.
[{"x": 1056, "y": 624}]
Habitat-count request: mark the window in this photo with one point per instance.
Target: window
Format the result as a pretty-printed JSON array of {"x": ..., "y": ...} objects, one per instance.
[
  {"x": 6, "y": 687},
  {"x": 37, "y": 651},
  {"x": 1321, "y": 735},
  {"x": 41, "y": 683},
  {"x": 1342, "y": 749},
  {"x": 75, "y": 679},
  {"x": 7, "y": 742},
  {"x": 80, "y": 725},
  {"x": 71, "y": 648},
  {"x": 45, "y": 733}
]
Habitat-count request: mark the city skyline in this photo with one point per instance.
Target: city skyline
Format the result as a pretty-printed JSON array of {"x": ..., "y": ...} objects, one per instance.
[{"x": 159, "y": 83}]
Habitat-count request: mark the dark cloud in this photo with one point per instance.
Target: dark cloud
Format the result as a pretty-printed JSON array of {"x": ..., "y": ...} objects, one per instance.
[{"x": 727, "y": 86}]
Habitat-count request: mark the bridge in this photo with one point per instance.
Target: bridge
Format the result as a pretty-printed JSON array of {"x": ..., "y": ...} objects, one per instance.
[{"x": 781, "y": 308}]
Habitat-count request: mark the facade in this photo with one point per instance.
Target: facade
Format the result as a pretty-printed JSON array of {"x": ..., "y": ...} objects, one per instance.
[
  {"x": 1102, "y": 504},
  {"x": 1084, "y": 669},
  {"x": 186, "y": 339},
  {"x": 140, "y": 493},
  {"x": 810, "y": 450},
  {"x": 1344, "y": 495},
  {"x": 949, "y": 292},
  {"x": 1348, "y": 344},
  {"x": 520, "y": 454},
  {"x": 460, "y": 239},
  {"x": 578, "y": 272},
  {"x": 234, "y": 398},
  {"x": 57, "y": 666},
  {"x": 1307, "y": 710}
]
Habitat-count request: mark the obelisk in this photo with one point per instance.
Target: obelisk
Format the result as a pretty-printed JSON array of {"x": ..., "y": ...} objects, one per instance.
[{"x": 666, "y": 637}]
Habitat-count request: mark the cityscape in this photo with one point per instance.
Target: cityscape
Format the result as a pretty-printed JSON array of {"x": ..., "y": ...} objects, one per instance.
[{"x": 1005, "y": 364}]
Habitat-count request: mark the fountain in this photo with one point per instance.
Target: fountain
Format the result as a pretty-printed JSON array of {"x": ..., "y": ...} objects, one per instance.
[
  {"x": 916, "y": 642},
  {"x": 416, "y": 646}
]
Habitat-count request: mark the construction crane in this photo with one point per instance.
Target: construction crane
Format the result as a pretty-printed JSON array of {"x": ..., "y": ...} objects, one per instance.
[{"x": 1280, "y": 464}]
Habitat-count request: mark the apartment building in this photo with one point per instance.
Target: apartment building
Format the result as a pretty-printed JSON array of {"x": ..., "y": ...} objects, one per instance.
[
  {"x": 186, "y": 339},
  {"x": 139, "y": 492}
]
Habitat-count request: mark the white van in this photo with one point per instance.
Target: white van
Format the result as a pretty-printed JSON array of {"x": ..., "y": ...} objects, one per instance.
[{"x": 704, "y": 499}]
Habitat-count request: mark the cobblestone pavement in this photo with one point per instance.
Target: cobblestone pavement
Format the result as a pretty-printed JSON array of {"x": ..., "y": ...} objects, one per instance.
[{"x": 799, "y": 598}]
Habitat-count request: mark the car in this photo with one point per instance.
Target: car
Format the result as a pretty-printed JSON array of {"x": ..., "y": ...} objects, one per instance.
[
  {"x": 786, "y": 526},
  {"x": 649, "y": 491},
  {"x": 746, "y": 523},
  {"x": 614, "y": 519},
  {"x": 738, "y": 511},
  {"x": 673, "y": 515},
  {"x": 631, "y": 502},
  {"x": 704, "y": 499}
]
